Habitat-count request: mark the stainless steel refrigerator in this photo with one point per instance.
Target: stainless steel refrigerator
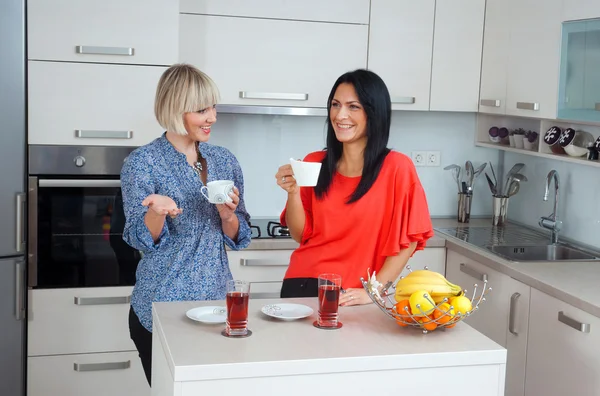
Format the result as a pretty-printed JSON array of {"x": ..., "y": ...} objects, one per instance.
[{"x": 13, "y": 136}]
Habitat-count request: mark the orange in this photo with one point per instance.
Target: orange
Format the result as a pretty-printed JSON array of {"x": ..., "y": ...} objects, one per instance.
[
  {"x": 428, "y": 323},
  {"x": 443, "y": 313},
  {"x": 402, "y": 310}
]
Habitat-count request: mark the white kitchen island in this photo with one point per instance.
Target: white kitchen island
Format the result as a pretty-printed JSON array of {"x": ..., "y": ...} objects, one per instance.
[{"x": 369, "y": 355}]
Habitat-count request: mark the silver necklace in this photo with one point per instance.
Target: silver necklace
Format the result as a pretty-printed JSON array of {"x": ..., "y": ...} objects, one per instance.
[{"x": 198, "y": 164}]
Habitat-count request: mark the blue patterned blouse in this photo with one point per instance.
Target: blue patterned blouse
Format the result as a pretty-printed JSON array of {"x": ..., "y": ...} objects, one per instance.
[{"x": 188, "y": 262}]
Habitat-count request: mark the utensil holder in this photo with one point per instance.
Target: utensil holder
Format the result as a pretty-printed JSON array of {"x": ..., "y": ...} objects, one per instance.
[
  {"x": 499, "y": 210},
  {"x": 464, "y": 207}
]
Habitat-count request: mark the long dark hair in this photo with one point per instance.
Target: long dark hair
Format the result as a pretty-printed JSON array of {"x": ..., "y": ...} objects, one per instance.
[{"x": 374, "y": 96}]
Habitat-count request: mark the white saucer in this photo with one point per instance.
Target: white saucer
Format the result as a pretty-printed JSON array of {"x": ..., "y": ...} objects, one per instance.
[
  {"x": 211, "y": 314},
  {"x": 287, "y": 311}
]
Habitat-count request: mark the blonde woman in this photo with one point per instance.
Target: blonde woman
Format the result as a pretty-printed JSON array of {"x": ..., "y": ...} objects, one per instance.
[{"x": 181, "y": 234}]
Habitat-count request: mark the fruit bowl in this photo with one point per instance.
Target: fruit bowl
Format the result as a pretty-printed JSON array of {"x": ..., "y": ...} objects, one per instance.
[{"x": 425, "y": 299}]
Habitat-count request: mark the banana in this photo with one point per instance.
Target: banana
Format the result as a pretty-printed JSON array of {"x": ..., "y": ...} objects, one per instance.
[{"x": 434, "y": 283}]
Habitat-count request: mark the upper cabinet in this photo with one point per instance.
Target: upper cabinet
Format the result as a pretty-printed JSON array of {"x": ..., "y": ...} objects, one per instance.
[
  {"x": 110, "y": 31},
  {"x": 257, "y": 61},
  {"x": 457, "y": 46},
  {"x": 534, "y": 57},
  {"x": 580, "y": 9},
  {"x": 343, "y": 11},
  {"x": 400, "y": 49},
  {"x": 579, "y": 89}
]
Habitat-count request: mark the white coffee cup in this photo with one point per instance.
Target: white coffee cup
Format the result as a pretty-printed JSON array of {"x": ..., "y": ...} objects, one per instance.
[
  {"x": 305, "y": 173},
  {"x": 217, "y": 192}
]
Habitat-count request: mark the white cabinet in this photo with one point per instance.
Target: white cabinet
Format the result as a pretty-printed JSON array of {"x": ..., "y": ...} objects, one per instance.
[
  {"x": 71, "y": 321},
  {"x": 494, "y": 62},
  {"x": 100, "y": 374},
  {"x": 562, "y": 354},
  {"x": 400, "y": 47},
  {"x": 580, "y": 9},
  {"x": 457, "y": 46},
  {"x": 264, "y": 269},
  {"x": 109, "y": 31},
  {"x": 343, "y": 11},
  {"x": 92, "y": 104},
  {"x": 272, "y": 62},
  {"x": 503, "y": 317},
  {"x": 534, "y": 57}
]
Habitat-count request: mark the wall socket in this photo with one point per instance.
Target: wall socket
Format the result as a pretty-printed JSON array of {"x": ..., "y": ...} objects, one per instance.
[{"x": 426, "y": 158}]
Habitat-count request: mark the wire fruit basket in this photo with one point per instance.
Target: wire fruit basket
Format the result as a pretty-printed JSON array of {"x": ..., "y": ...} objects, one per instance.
[{"x": 443, "y": 314}]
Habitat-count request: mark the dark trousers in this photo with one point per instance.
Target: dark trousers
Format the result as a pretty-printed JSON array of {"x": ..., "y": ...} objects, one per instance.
[
  {"x": 142, "y": 339},
  {"x": 299, "y": 287}
]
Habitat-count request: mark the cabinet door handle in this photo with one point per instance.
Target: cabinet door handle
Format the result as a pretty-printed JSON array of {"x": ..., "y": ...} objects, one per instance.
[
  {"x": 94, "y": 50},
  {"x": 513, "y": 313},
  {"x": 528, "y": 106},
  {"x": 490, "y": 102},
  {"x": 579, "y": 326},
  {"x": 102, "y": 300},
  {"x": 20, "y": 290},
  {"x": 471, "y": 272},
  {"x": 91, "y": 134},
  {"x": 403, "y": 99},
  {"x": 597, "y": 107},
  {"x": 273, "y": 95},
  {"x": 101, "y": 366},
  {"x": 262, "y": 263}
]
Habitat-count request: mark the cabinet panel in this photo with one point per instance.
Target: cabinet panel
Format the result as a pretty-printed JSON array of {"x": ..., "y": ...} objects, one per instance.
[
  {"x": 561, "y": 360},
  {"x": 296, "y": 63},
  {"x": 457, "y": 46},
  {"x": 400, "y": 48},
  {"x": 534, "y": 58},
  {"x": 345, "y": 11},
  {"x": 116, "y": 100},
  {"x": 109, "y": 31},
  {"x": 580, "y": 9}
]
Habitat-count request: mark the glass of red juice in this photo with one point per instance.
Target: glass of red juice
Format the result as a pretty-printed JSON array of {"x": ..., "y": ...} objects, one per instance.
[
  {"x": 238, "y": 293},
  {"x": 329, "y": 299}
]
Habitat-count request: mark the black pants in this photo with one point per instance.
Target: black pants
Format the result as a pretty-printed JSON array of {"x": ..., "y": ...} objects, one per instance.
[
  {"x": 300, "y": 287},
  {"x": 142, "y": 339}
]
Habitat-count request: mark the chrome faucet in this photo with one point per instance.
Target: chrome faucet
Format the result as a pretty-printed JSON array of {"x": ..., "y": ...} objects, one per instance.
[{"x": 551, "y": 222}]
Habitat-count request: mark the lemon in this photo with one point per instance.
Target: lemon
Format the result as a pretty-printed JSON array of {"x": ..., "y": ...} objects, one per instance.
[
  {"x": 461, "y": 304},
  {"x": 421, "y": 303}
]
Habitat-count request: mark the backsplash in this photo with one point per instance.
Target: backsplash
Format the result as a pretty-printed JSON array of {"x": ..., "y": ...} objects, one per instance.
[
  {"x": 578, "y": 202},
  {"x": 262, "y": 143}
]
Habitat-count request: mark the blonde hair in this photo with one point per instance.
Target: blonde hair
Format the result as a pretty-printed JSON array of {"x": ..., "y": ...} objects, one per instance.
[{"x": 182, "y": 88}]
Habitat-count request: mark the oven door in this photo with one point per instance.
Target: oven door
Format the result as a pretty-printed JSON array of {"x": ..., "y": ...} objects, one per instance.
[{"x": 76, "y": 234}]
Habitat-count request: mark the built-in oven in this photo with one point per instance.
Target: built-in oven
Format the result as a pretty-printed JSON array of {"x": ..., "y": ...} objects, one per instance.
[{"x": 76, "y": 218}]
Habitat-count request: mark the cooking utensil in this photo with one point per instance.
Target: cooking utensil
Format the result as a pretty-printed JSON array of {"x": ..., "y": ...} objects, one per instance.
[
  {"x": 491, "y": 184},
  {"x": 470, "y": 173},
  {"x": 455, "y": 174},
  {"x": 514, "y": 187}
]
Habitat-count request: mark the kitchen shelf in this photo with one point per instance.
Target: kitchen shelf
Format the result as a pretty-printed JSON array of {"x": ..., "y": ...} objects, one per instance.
[{"x": 485, "y": 121}]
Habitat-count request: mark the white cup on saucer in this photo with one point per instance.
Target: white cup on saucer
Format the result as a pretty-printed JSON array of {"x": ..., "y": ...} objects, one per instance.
[
  {"x": 217, "y": 191},
  {"x": 305, "y": 173}
]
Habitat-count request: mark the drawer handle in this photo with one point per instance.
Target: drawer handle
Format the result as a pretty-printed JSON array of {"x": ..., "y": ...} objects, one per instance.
[
  {"x": 101, "y": 366},
  {"x": 528, "y": 106},
  {"x": 261, "y": 263},
  {"x": 579, "y": 326},
  {"x": 260, "y": 296},
  {"x": 490, "y": 102},
  {"x": 403, "y": 100},
  {"x": 273, "y": 95},
  {"x": 513, "y": 313},
  {"x": 471, "y": 272},
  {"x": 94, "y": 50},
  {"x": 91, "y": 134},
  {"x": 597, "y": 107},
  {"x": 102, "y": 300}
]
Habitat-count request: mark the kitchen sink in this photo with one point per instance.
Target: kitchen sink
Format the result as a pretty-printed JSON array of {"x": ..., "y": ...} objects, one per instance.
[{"x": 558, "y": 252}]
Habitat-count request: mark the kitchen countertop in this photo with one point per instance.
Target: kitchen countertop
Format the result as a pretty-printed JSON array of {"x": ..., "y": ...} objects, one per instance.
[{"x": 367, "y": 342}]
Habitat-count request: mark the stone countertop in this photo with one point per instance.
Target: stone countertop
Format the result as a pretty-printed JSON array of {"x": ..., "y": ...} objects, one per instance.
[{"x": 368, "y": 341}]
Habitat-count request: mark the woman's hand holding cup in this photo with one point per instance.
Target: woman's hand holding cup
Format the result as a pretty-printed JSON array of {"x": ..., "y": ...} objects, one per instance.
[{"x": 285, "y": 179}]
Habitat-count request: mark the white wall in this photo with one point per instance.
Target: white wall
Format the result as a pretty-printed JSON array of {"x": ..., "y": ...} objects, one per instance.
[
  {"x": 579, "y": 199},
  {"x": 263, "y": 143}
]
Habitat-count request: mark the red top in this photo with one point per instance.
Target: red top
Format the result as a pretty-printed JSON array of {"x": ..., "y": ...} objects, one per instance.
[{"x": 350, "y": 239}]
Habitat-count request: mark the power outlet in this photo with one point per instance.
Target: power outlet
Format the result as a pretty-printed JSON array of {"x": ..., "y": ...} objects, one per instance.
[
  {"x": 419, "y": 158},
  {"x": 432, "y": 158}
]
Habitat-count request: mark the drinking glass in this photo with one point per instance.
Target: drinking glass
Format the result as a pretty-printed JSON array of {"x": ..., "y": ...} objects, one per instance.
[
  {"x": 329, "y": 299},
  {"x": 238, "y": 294}
]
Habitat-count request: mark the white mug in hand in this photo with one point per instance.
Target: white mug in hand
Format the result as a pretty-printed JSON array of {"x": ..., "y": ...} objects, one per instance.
[
  {"x": 305, "y": 173},
  {"x": 217, "y": 192}
]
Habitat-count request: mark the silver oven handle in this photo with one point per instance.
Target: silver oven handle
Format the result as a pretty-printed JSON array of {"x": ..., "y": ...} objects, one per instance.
[
  {"x": 20, "y": 234},
  {"x": 79, "y": 183},
  {"x": 32, "y": 204},
  {"x": 101, "y": 300}
]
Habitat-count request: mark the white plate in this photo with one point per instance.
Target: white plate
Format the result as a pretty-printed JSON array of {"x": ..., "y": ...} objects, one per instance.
[
  {"x": 210, "y": 314},
  {"x": 287, "y": 311}
]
